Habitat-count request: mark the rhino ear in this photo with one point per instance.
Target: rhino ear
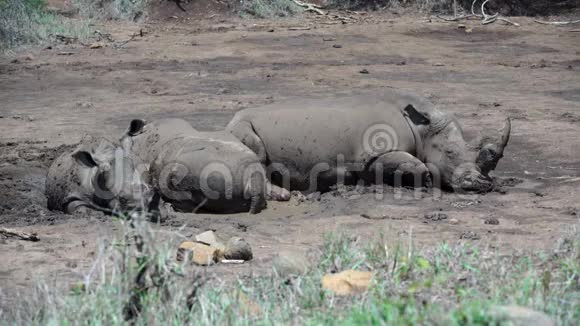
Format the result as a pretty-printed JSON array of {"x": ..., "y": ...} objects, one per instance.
[
  {"x": 416, "y": 117},
  {"x": 85, "y": 159},
  {"x": 136, "y": 127}
]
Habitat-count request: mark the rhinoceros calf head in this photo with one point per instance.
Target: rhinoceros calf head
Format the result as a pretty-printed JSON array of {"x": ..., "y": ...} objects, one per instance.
[
  {"x": 452, "y": 160},
  {"x": 98, "y": 174}
]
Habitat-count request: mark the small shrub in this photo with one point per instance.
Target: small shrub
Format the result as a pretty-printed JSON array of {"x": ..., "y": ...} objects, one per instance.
[
  {"x": 129, "y": 10},
  {"x": 24, "y": 22},
  {"x": 269, "y": 8}
]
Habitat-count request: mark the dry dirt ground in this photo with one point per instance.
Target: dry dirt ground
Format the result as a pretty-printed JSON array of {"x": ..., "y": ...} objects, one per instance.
[{"x": 204, "y": 70}]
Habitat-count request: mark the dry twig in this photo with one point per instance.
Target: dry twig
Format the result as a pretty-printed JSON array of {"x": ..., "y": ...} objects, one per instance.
[
  {"x": 310, "y": 7},
  {"x": 19, "y": 234},
  {"x": 558, "y": 23},
  {"x": 485, "y": 18}
]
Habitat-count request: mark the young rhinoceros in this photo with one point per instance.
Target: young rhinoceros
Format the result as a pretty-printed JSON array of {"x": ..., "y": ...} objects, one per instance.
[
  {"x": 98, "y": 175},
  {"x": 212, "y": 171},
  {"x": 314, "y": 144}
]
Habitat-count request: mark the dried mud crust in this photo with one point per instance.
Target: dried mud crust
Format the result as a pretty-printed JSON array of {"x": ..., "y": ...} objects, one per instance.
[{"x": 204, "y": 74}]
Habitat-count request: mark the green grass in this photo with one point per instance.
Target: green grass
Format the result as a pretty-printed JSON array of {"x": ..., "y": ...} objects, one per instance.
[
  {"x": 269, "y": 8},
  {"x": 444, "y": 285},
  {"x": 26, "y": 22}
]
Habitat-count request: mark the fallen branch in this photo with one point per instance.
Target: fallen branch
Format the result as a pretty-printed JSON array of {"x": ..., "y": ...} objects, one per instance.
[
  {"x": 19, "y": 234},
  {"x": 310, "y": 7},
  {"x": 458, "y": 18},
  {"x": 297, "y": 28},
  {"x": 485, "y": 18},
  {"x": 558, "y": 23}
]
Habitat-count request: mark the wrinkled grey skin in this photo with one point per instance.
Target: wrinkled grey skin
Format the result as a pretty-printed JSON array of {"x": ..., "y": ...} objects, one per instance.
[
  {"x": 96, "y": 175},
  {"x": 192, "y": 170},
  {"x": 327, "y": 141}
]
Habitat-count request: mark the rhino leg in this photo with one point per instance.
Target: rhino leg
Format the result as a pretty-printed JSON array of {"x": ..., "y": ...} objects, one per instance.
[
  {"x": 400, "y": 168},
  {"x": 244, "y": 131}
]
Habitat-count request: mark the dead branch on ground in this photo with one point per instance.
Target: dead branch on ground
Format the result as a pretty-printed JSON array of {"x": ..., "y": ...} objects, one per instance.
[
  {"x": 485, "y": 18},
  {"x": 557, "y": 23},
  {"x": 19, "y": 234},
  {"x": 310, "y": 7}
]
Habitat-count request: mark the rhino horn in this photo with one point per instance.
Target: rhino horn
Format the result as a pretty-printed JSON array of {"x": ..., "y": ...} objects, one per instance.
[{"x": 491, "y": 148}]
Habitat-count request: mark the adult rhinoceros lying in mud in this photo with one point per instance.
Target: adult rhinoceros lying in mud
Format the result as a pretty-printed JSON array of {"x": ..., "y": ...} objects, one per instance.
[
  {"x": 313, "y": 144},
  {"x": 98, "y": 175},
  {"x": 212, "y": 171}
]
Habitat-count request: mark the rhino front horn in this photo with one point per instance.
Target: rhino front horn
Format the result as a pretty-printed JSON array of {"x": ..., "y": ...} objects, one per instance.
[{"x": 491, "y": 148}]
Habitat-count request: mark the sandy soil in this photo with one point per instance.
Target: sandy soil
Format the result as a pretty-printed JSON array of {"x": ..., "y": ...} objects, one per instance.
[{"x": 206, "y": 70}]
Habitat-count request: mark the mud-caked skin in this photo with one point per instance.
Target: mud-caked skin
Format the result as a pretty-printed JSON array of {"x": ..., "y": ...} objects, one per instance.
[
  {"x": 193, "y": 170},
  {"x": 98, "y": 175},
  {"x": 392, "y": 137}
]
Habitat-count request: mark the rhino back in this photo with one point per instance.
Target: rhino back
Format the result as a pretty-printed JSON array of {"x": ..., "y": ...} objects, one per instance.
[
  {"x": 304, "y": 133},
  {"x": 148, "y": 144}
]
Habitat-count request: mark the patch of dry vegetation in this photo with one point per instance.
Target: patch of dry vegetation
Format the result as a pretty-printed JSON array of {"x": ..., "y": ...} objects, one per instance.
[{"x": 137, "y": 279}]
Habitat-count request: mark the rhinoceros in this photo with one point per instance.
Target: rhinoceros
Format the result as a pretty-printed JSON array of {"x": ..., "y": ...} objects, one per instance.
[
  {"x": 310, "y": 145},
  {"x": 98, "y": 175},
  {"x": 192, "y": 170}
]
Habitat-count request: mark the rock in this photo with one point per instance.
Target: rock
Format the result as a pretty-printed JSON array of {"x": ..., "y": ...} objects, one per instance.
[
  {"x": 209, "y": 238},
  {"x": 375, "y": 214},
  {"x": 328, "y": 39},
  {"x": 491, "y": 220},
  {"x": 453, "y": 221},
  {"x": 238, "y": 249},
  {"x": 469, "y": 235},
  {"x": 291, "y": 263},
  {"x": 197, "y": 253},
  {"x": 520, "y": 316},
  {"x": 364, "y": 71},
  {"x": 337, "y": 46},
  {"x": 436, "y": 216},
  {"x": 315, "y": 196},
  {"x": 347, "y": 282},
  {"x": 438, "y": 64}
]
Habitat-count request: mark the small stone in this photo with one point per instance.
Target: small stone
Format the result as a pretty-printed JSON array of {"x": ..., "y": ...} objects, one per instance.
[
  {"x": 453, "y": 221},
  {"x": 271, "y": 30},
  {"x": 461, "y": 26},
  {"x": 469, "y": 30},
  {"x": 197, "y": 253},
  {"x": 491, "y": 220},
  {"x": 435, "y": 216},
  {"x": 28, "y": 57},
  {"x": 315, "y": 196},
  {"x": 328, "y": 39},
  {"x": 238, "y": 249},
  {"x": 520, "y": 316},
  {"x": 290, "y": 263},
  {"x": 364, "y": 71},
  {"x": 209, "y": 238},
  {"x": 337, "y": 46},
  {"x": 469, "y": 235},
  {"x": 347, "y": 282},
  {"x": 375, "y": 214}
]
